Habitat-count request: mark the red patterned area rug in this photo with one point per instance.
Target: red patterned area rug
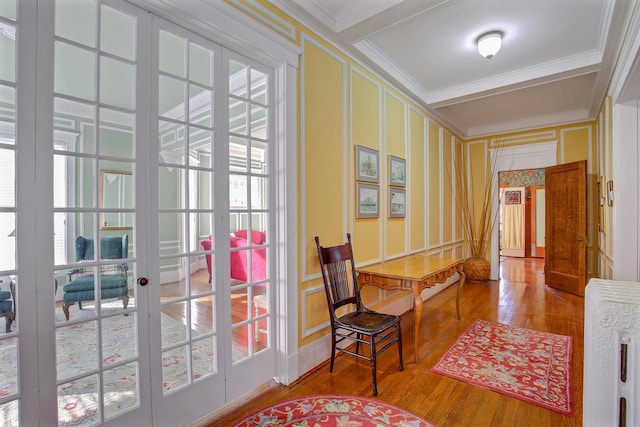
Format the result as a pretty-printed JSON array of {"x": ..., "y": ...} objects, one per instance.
[
  {"x": 333, "y": 411},
  {"x": 521, "y": 363}
]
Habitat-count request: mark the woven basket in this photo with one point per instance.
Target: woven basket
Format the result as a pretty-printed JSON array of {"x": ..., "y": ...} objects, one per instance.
[{"x": 477, "y": 269}]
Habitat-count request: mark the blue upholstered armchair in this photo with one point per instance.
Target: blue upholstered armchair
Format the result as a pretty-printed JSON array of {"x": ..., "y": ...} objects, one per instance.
[{"x": 113, "y": 277}]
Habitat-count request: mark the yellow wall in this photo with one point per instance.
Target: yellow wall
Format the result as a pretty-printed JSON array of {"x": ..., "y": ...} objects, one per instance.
[{"x": 344, "y": 105}]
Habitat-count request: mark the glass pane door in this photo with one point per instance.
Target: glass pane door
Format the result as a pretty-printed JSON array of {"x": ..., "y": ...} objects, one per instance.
[
  {"x": 186, "y": 177},
  {"x": 251, "y": 177},
  {"x": 100, "y": 373}
]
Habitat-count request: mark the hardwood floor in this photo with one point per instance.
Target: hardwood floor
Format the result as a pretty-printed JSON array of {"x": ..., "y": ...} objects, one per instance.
[{"x": 519, "y": 298}]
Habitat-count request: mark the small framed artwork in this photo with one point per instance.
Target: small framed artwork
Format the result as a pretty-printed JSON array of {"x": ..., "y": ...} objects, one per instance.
[
  {"x": 397, "y": 171},
  {"x": 368, "y": 199},
  {"x": 512, "y": 197},
  {"x": 610, "y": 192},
  {"x": 397, "y": 203},
  {"x": 367, "y": 164}
]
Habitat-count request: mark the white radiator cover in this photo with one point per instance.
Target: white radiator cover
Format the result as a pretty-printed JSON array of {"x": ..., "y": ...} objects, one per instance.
[{"x": 611, "y": 327}]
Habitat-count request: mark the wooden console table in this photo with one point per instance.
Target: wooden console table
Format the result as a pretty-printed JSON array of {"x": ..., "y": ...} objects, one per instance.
[{"x": 413, "y": 273}]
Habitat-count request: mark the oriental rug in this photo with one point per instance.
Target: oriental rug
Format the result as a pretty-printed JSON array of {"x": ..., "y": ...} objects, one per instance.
[
  {"x": 333, "y": 411},
  {"x": 521, "y": 363}
]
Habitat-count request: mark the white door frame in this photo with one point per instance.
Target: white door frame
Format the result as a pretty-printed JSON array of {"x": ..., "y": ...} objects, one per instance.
[{"x": 531, "y": 156}]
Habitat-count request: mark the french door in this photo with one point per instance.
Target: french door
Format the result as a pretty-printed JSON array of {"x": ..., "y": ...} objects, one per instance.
[{"x": 146, "y": 255}]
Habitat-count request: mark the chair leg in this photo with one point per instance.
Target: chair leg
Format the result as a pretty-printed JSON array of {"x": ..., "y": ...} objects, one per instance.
[
  {"x": 400, "y": 346},
  {"x": 125, "y": 301},
  {"x": 65, "y": 308},
  {"x": 359, "y": 337},
  {"x": 333, "y": 350},
  {"x": 9, "y": 317},
  {"x": 372, "y": 349}
]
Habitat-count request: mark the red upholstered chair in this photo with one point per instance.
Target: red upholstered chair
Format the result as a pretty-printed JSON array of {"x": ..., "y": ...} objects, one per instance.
[{"x": 239, "y": 268}]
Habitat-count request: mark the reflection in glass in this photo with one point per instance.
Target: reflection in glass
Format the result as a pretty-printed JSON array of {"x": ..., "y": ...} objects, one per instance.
[
  {"x": 76, "y": 20},
  {"x": 240, "y": 337},
  {"x": 171, "y": 143},
  {"x": 259, "y": 155},
  {"x": 200, "y": 106},
  {"x": 200, "y": 65},
  {"x": 117, "y": 33},
  {"x": 116, "y": 192},
  {"x": 71, "y": 359},
  {"x": 238, "y": 117},
  {"x": 120, "y": 388},
  {"x": 84, "y": 116},
  {"x": 8, "y": 49},
  {"x": 172, "y": 51},
  {"x": 259, "y": 122},
  {"x": 170, "y": 183},
  {"x": 175, "y": 371},
  {"x": 81, "y": 396},
  {"x": 238, "y": 79},
  {"x": 238, "y": 191},
  {"x": 117, "y": 83},
  {"x": 171, "y": 98},
  {"x": 72, "y": 65},
  {"x": 117, "y": 330},
  {"x": 117, "y": 133},
  {"x": 203, "y": 358},
  {"x": 173, "y": 331},
  {"x": 258, "y": 87}
]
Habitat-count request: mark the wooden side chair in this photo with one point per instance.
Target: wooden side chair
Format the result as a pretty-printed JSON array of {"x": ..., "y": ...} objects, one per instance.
[{"x": 355, "y": 323}]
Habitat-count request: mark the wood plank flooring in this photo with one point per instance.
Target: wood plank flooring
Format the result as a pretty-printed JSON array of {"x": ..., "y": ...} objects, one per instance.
[{"x": 519, "y": 298}]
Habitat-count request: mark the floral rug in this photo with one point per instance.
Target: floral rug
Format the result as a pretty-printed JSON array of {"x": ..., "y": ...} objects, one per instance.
[
  {"x": 78, "y": 400},
  {"x": 521, "y": 363},
  {"x": 333, "y": 411}
]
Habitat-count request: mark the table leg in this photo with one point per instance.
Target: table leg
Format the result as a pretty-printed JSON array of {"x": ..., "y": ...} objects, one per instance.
[
  {"x": 463, "y": 277},
  {"x": 417, "y": 315}
]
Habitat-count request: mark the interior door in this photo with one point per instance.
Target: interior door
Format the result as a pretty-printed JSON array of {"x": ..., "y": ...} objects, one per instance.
[
  {"x": 566, "y": 227},
  {"x": 187, "y": 345}
]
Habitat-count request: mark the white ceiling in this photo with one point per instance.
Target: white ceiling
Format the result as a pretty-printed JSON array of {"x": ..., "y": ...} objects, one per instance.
[{"x": 556, "y": 61}]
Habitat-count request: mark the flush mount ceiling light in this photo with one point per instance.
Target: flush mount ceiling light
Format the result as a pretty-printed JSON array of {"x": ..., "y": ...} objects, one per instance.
[{"x": 489, "y": 43}]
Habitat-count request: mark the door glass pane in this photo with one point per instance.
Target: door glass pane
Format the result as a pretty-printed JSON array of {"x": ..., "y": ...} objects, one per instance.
[
  {"x": 117, "y": 33},
  {"x": 94, "y": 173},
  {"x": 76, "y": 20},
  {"x": 75, "y": 71},
  {"x": 117, "y": 83}
]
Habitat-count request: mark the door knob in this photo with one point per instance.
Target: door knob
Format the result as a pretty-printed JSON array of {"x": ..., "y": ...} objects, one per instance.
[
  {"x": 143, "y": 281},
  {"x": 580, "y": 240}
]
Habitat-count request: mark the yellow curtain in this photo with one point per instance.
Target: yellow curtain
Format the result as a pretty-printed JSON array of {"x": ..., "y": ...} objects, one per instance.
[{"x": 513, "y": 226}]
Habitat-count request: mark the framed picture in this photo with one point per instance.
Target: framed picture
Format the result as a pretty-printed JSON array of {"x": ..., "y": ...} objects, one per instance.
[
  {"x": 367, "y": 164},
  {"x": 368, "y": 199},
  {"x": 610, "y": 192},
  {"x": 397, "y": 171},
  {"x": 397, "y": 203}
]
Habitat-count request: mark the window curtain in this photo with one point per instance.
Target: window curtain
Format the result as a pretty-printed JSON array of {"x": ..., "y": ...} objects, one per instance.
[{"x": 513, "y": 226}]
